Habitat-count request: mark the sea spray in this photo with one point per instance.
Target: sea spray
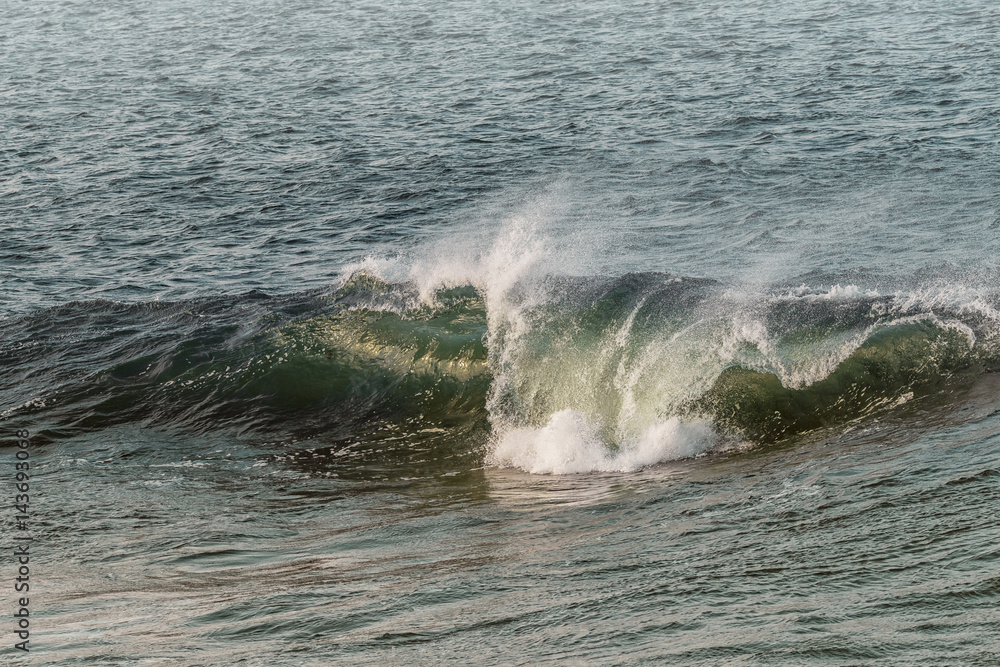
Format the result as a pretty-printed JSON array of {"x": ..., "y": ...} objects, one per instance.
[
  {"x": 532, "y": 368},
  {"x": 612, "y": 373}
]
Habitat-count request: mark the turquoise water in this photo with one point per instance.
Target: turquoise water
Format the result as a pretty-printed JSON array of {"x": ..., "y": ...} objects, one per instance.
[{"x": 484, "y": 333}]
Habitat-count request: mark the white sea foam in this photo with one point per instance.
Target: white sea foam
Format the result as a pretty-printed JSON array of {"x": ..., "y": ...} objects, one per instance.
[
  {"x": 958, "y": 299},
  {"x": 837, "y": 292},
  {"x": 570, "y": 444}
]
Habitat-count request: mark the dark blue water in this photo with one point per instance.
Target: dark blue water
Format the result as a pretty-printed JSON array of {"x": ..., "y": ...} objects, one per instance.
[{"x": 505, "y": 333}]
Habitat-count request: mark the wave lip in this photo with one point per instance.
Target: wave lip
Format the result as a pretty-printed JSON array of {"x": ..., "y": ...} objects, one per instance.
[{"x": 892, "y": 366}]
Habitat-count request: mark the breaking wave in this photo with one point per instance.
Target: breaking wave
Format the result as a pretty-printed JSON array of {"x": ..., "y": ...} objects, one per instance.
[{"x": 502, "y": 359}]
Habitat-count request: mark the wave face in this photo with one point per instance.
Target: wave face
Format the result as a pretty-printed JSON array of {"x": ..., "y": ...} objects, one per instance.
[
  {"x": 548, "y": 373},
  {"x": 613, "y": 374},
  {"x": 285, "y": 367}
]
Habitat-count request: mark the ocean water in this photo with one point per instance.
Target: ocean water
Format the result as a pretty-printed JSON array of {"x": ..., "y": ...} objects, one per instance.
[{"x": 503, "y": 333}]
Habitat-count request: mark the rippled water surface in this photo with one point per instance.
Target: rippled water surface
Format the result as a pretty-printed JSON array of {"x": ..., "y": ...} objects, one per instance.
[{"x": 505, "y": 333}]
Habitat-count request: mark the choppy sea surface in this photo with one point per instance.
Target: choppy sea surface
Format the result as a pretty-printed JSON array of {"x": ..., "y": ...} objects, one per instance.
[{"x": 504, "y": 333}]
